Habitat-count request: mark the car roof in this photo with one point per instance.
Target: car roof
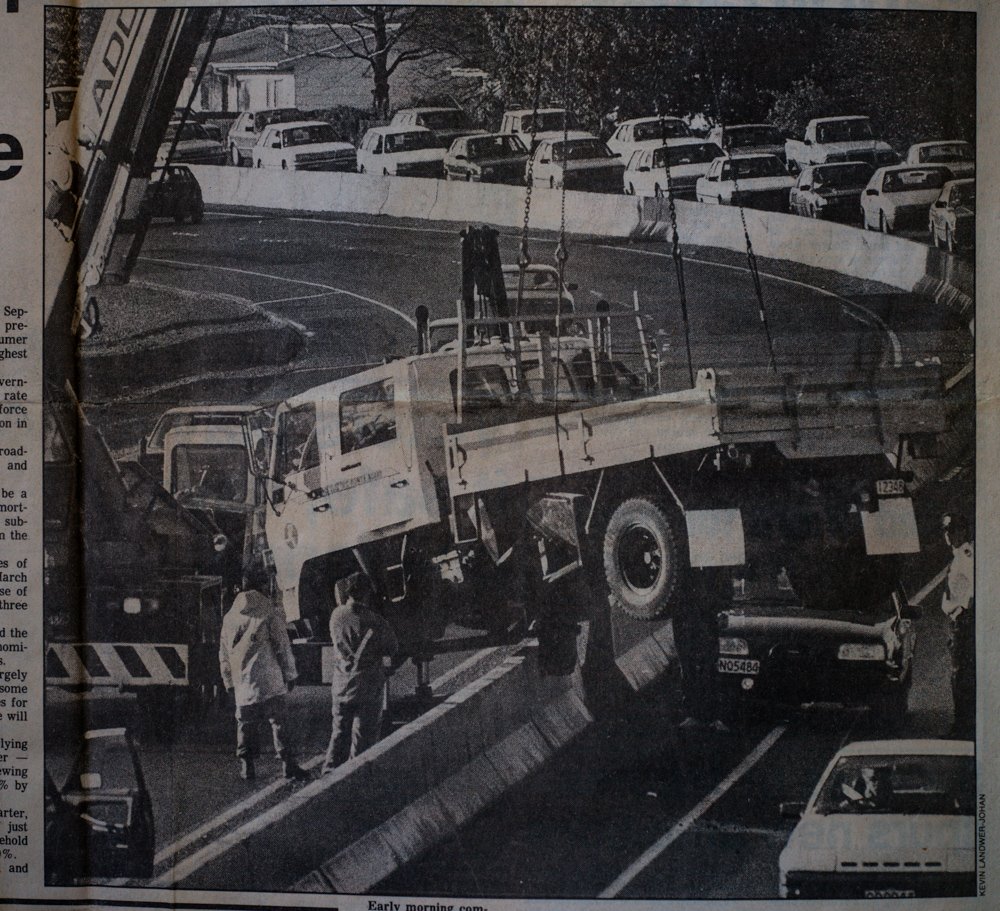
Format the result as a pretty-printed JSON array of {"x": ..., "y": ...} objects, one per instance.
[
  {"x": 963, "y": 182},
  {"x": 425, "y": 110},
  {"x": 292, "y": 124},
  {"x": 573, "y": 134},
  {"x": 398, "y": 128},
  {"x": 742, "y": 156},
  {"x": 939, "y": 142},
  {"x": 927, "y": 747},
  {"x": 746, "y": 126},
  {"x": 653, "y": 119},
  {"x": 519, "y": 112},
  {"x": 894, "y": 168}
]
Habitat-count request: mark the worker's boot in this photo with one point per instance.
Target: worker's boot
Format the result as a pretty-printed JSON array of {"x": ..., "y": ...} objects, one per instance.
[
  {"x": 247, "y": 770},
  {"x": 295, "y": 772}
]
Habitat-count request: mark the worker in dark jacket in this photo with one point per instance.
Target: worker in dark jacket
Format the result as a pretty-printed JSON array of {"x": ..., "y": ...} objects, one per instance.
[
  {"x": 958, "y": 602},
  {"x": 361, "y": 638},
  {"x": 256, "y": 661}
]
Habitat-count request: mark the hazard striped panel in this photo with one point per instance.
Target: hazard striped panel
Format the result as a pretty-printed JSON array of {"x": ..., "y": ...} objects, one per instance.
[{"x": 116, "y": 664}]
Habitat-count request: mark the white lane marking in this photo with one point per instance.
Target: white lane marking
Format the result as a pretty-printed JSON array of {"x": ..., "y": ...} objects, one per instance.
[
  {"x": 661, "y": 845},
  {"x": 238, "y": 809},
  {"x": 300, "y": 297},
  {"x": 847, "y": 305},
  {"x": 344, "y": 221},
  {"x": 283, "y": 278}
]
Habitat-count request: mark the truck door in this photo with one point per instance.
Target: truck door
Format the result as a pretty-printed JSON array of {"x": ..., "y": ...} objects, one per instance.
[{"x": 373, "y": 485}]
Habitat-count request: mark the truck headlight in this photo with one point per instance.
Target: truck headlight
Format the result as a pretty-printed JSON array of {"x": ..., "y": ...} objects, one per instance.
[
  {"x": 861, "y": 651},
  {"x": 730, "y": 645}
]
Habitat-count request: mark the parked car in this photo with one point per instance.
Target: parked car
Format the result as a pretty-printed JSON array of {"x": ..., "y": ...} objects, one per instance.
[
  {"x": 549, "y": 123},
  {"x": 194, "y": 145},
  {"x": 175, "y": 193},
  {"x": 888, "y": 819},
  {"x": 957, "y": 156},
  {"x": 402, "y": 151},
  {"x": 952, "y": 219},
  {"x": 246, "y": 130},
  {"x": 59, "y": 101},
  {"x": 446, "y": 123},
  {"x": 689, "y": 159},
  {"x": 747, "y": 138},
  {"x": 830, "y": 191},
  {"x": 581, "y": 161},
  {"x": 303, "y": 145},
  {"x": 901, "y": 196},
  {"x": 829, "y": 139},
  {"x": 646, "y": 133},
  {"x": 755, "y": 181},
  {"x": 487, "y": 157}
]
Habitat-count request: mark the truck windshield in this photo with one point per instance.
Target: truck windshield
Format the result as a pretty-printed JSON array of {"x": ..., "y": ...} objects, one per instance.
[
  {"x": 296, "y": 441},
  {"x": 670, "y": 127},
  {"x": 901, "y": 784},
  {"x": 212, "y": 472},
  {"x": 367, "y": 416},
  {"x": 844, "y": 131}
]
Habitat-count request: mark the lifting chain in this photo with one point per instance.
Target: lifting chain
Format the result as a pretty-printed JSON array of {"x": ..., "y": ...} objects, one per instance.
[{"x": 524, "y": 258}]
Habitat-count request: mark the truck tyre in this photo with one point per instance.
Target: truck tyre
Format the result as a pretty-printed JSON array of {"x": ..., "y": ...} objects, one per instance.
[{"x": 642, "y": 558}]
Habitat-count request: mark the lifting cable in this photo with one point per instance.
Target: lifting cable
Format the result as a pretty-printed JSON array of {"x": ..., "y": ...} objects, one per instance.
[
  {"x": 676, "y": 240},
  {"x": 751, "y": 256}
]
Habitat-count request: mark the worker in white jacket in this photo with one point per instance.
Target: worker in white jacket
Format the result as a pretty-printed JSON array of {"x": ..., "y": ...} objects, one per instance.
[{"x": 255, "y": 658}]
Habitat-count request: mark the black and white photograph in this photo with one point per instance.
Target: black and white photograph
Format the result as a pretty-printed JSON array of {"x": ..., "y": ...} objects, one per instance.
[{"x": 505, "y": 453}]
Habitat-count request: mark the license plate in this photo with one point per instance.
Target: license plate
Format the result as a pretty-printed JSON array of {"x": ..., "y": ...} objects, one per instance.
[
  {"x": 890, "y": 893},
  {"x": 739, "y": 666},
  {"x": 890, "y": 487}
]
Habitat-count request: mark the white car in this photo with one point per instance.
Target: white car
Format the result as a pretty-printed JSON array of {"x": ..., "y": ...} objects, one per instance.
[
  {"x": 446, "y": 123},
  {"x": 750, "y": 137},
  {"x": 580, "y": 161},
  {"x": 646, "y": 171},
  {"x": 754, "y": 181},
  {"x": 303, "y": 145},
  {"x": 401, "y": 151},
  {"x": 901, "y": 196},
  {"x": 549, "y": 123},
  {"x": 957, "y": 156},
  {"x": 888, "y": 819},
  {"x": 646, "y": 133}
]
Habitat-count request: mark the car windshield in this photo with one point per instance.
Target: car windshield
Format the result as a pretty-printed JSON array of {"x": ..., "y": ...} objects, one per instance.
[
  {"x": 546, "y": 121},
  {"x": 304, "y": 136},
  {"x": 747, "y": 168},
  {"x": 410, "y": 142},
  {"x": 946, "y": 151},
  {"x": 669, "y": 127},
  {"x": 696, "y": 153},
  {"x": 187, "y": 131},
  {"x": 443, "y": 120},
  {"x": 842, "y": 177},
  {"x": 844, "y": 131},
  {"x": 500, "y": 146},
  {"x": 900, "y": 784},
  {"x": 744, "y": 137},
  {"x": 964, "y": 196},
  {"x": 579, "y": 150},
  {"x": 914, "y": 179}
]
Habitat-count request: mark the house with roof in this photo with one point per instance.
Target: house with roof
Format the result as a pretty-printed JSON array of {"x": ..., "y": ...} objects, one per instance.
[{"x": 303, "y": 65}]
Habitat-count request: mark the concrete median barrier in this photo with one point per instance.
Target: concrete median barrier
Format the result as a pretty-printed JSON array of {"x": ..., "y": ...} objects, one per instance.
[{"x": 893, "y": 261}]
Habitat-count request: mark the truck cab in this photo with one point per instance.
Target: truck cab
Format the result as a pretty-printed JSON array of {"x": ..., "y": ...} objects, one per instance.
[{"x": 829, "y": 139}]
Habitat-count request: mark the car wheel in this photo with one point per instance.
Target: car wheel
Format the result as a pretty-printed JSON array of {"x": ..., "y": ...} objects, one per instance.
[
  {"x": 234, "y": 155},
  {"x": 642, "y": 558},
  {"x": 949, "y": 240}
]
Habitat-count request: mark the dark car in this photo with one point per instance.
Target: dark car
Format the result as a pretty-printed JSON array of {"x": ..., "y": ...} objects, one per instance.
[
  {"x": 850, "y": 645},
  {"x": 830, "y": 191},
  {"x": 175, "y": 195},
  {"x": 488, "y": 158}
]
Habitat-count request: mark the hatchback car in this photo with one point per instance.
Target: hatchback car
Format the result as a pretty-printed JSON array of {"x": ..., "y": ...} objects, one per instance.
[
  {"x": 174, "y": 192},
  {"x": 194, "y": 145},
  {"x": 646, "y": 133},
  {"x": 830, "y": 191},
  {"x": 689, "y": 159},
  {"x": 888, "y": 819},
  {"x": 952, "y": 220},
  {"x": 303, "y": 145},
  {"x": 401, "y": 151},
  {"x": 488, "y": 158},
  {"x": 900, "y": 196},
  {"x": 755, "y": 181},
  {"x": 580, "y": 161}
]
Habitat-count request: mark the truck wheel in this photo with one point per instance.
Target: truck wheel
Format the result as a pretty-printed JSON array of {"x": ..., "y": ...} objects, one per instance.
[{"x": 642, "y": 558}]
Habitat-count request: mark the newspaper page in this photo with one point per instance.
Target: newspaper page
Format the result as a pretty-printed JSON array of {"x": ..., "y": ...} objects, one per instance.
[{"x": 497, "y": 456}]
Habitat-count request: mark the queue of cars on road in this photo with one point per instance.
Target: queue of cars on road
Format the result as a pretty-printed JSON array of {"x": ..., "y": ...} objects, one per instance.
[{"x": 840, "y": 171}]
